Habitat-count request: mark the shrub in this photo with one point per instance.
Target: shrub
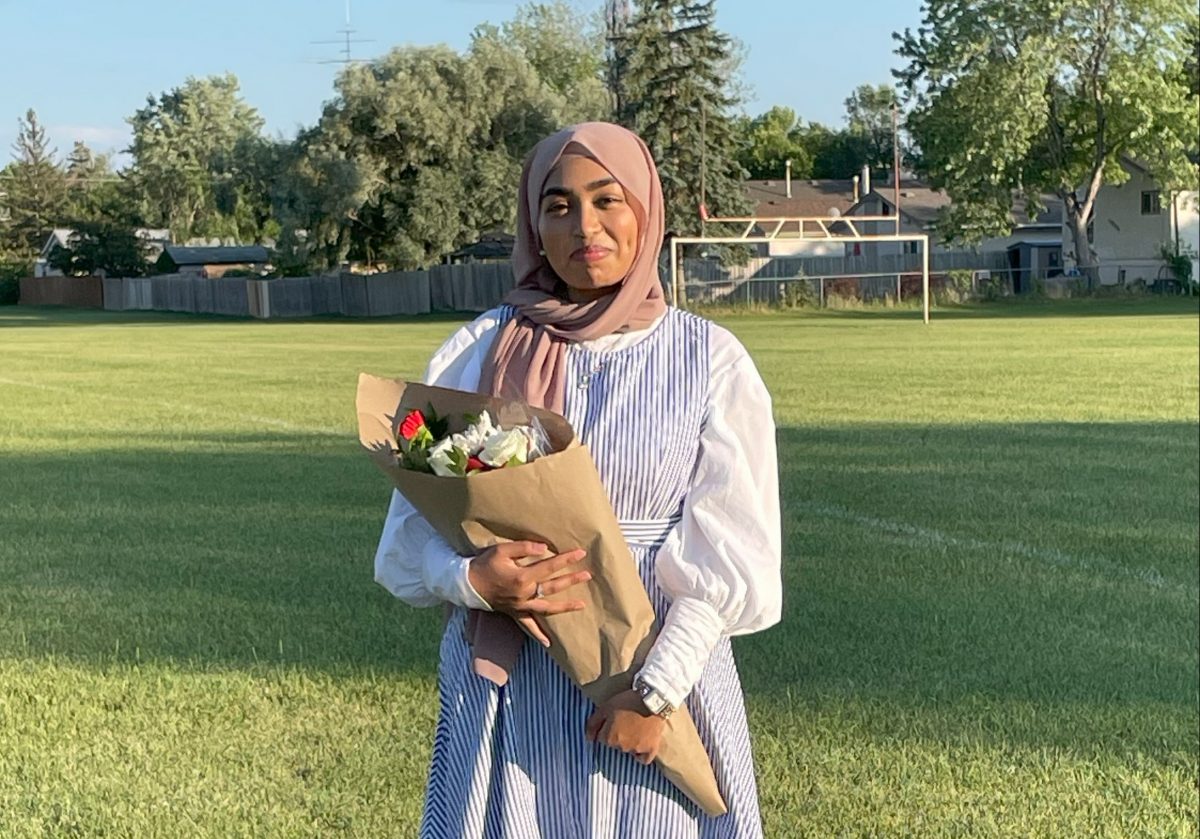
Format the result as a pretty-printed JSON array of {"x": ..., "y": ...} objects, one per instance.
[
  {"x": 10, "y": 291},
  {"x": 798, "y": 294},
  {"x": 10, "y": 281}
]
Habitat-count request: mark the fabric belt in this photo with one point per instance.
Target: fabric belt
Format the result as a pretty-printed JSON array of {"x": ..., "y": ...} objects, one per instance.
[{"x": 648, "y": 532}]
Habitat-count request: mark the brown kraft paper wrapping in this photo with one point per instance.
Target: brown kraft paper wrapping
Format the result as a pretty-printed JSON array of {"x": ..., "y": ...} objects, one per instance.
[{"x": 559, "y": 500}]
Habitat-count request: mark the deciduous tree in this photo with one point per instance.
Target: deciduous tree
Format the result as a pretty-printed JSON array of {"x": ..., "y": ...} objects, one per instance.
[{"x": 1039, "y": 96}]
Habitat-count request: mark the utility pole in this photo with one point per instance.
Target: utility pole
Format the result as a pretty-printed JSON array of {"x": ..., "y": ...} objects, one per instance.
[
  {"x": 896, "y": 184},
  {"x": 896, "y": 163}
]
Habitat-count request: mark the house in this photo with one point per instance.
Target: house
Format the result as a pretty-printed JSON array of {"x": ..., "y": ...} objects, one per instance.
[
  {"x": 496, "y": 246},
  {"x": 789, "y": 198},
  {"x": 213, "y": 262},
  {"x": 919, "y": 208},
  {"x": 1033, "y": 249},
  {"x": 1132, "y": 224},
  {"x": 154, "y": 239}
]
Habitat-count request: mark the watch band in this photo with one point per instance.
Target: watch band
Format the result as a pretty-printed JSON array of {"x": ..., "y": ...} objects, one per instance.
[{"x": 654, "y": 701}]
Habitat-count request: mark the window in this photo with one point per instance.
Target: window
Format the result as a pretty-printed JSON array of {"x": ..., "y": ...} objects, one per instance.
[
  {"x": 912, "y": 247},
  {"x": 1151, "y": 202}
]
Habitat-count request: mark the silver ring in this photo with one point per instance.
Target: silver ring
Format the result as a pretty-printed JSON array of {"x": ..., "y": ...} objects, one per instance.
[{"x": 537, "y": 592}]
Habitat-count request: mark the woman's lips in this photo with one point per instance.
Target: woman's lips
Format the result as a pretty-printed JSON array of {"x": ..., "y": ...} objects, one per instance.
[{"x": 592, "y": 253}]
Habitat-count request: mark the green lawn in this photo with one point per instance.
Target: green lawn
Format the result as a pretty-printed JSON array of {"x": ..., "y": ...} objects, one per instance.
[{"x": 992, "y": 578}]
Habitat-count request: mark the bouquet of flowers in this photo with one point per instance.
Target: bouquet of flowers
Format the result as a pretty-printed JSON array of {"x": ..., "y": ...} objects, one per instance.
[
  {"x": 481, "y": 447},
  {"x": 482, "y": 471}
]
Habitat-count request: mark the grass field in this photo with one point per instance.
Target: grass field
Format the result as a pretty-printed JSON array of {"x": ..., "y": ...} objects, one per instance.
[{"x": 992, "y": 577}]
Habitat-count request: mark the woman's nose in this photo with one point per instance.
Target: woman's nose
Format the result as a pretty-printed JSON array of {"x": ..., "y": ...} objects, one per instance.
[{"x": 587, "y": 221}]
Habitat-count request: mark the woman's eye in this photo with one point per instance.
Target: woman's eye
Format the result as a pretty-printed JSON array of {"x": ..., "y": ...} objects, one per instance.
[
  {"x": 557, "y": 208},
  {"x": 608, "y": 200}
]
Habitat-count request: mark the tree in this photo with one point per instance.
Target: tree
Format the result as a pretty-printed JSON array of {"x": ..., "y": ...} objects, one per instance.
[
  {"x": 94, "y": 190},
  {"x": 419, "y": 154},
  {"x": 1047, "y": 96},
  {"x": 676, "y": 94},
  {"x": 565, "y": 49},
  {"x": 769, "y": 141},
  {"x": 36, "y": 187},
  {"x": 101, "y": 247},
  {"x": 869, "y": 125},
  {"x": 200, "y": 163}
]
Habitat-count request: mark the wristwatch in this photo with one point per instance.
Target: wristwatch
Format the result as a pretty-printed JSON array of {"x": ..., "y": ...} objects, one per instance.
[{"x": 654, "y": 701}]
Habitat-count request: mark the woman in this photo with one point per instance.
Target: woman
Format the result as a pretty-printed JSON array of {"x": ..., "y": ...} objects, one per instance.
[{"x": 679, "y": 424}]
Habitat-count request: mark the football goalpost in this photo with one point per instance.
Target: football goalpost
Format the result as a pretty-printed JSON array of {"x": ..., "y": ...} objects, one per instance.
[{"x": 827, "y": 229}]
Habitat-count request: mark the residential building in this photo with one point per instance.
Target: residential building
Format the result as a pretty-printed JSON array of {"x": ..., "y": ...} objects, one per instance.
[
  {"x": 213, "y": 262},
  {"x": 1132, "y": 224},
  {"x": 154, "y": 239},
  {"x": 793, "y": 198}
]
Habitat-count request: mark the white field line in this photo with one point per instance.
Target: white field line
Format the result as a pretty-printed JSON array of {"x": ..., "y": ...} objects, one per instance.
[
  {"x": 183, "y": 407},
  {"x": 1049, "y": 556}
]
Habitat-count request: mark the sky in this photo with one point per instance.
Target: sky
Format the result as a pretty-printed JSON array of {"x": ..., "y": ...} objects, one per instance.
[{"x": 85, "y": 66}]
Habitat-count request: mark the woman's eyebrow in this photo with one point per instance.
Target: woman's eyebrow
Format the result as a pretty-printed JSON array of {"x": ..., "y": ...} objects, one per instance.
[{"x": 592, "y": 187}]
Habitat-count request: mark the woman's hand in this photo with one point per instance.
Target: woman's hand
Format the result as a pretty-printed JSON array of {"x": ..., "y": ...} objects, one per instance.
[
  {"x": 514, "y": 579},
  {"x": 625, "y": 723}
]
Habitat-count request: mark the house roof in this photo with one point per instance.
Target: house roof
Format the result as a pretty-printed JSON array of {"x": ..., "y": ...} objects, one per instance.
[
  {"x": 229, "y": 255},
  {"x": 809, "y": 198},
  {"x": 922, "y": 204},
  {"x": 60, "y": 237},
  {"x": 1050, "y": 216},
  {"x": 917, "y": 201},
  {"x": 495, "y": 245}
]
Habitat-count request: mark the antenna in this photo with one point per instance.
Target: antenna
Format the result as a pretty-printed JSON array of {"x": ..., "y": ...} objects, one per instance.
[{"x": 348, "y": 32}]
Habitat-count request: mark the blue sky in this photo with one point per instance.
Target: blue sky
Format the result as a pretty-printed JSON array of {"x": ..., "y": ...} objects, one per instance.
[{"x": 85, "y": 65}]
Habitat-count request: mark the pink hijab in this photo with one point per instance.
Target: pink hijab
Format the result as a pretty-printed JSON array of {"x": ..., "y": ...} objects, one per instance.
[{"x": 528, "y": 358}]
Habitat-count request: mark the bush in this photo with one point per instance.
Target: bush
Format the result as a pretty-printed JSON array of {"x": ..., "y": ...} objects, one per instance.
[
  {"x": 798, "y": 294},
  {"x": 10, "y": 281},
  {"x": 1180, "y": 265}
]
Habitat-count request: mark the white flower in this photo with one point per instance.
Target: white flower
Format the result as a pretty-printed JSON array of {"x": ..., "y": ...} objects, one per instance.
[
  {"x": 440, "y": 459},
  {"x": 504, "y": 447},
  {"x": 473, "y": 439}
]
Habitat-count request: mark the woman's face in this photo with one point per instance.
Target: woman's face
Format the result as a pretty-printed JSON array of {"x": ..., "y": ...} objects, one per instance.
[{"x": 588, "y": 229}]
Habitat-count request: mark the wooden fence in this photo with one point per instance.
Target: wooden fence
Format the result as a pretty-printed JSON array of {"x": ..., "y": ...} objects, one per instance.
[
  {"x": 458, "y": 288},
  {"x": 443, "y": 288}
]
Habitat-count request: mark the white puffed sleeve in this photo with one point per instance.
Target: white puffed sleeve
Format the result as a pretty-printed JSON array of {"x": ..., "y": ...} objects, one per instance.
[
  {"x": 721, "y": 565},
  {"x": 413, "y": 562}
]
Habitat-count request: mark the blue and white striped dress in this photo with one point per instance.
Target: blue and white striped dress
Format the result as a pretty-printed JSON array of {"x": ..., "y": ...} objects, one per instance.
[{"x": 513, "y": 761}]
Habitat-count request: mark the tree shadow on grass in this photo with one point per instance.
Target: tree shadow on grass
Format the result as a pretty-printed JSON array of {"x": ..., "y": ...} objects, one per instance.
[
  {"x": 1045, "y": 565},
  {"x": 1017, "y": 308},
  {"x": 1045, "y": 572},
  {"x": 261, "y": 552}
]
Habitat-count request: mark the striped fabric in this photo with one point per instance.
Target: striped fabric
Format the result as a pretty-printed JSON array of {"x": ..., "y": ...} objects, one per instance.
[
  {"x": 649, "y": 533},
  {"x": 512, "y": 762}
]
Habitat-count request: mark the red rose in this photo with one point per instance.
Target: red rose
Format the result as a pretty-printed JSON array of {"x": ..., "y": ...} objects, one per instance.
[
  {"x": 474, "y": 463},
  {"x": 412, "y": 425}
]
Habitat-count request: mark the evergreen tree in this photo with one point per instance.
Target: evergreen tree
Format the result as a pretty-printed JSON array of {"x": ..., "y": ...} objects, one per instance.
[
  {"x": 93, "y": 189},
  {"x": 37, "y": 189},
  {"x": 675, "y": 92}
]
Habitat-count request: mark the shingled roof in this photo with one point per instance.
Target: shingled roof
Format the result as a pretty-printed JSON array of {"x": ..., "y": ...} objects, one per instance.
[
  {"x": 809, "y": 198},
  {"x": 229, "y": 255}
]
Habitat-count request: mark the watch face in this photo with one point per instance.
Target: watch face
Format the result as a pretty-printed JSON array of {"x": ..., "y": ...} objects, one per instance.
[{"x": 654, "y": 701}]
